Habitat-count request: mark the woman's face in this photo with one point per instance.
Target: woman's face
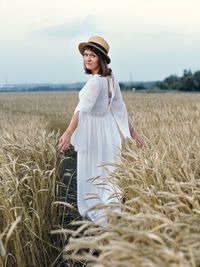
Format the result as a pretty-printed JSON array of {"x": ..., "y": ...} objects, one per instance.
[{"x": 91, "y": 61}]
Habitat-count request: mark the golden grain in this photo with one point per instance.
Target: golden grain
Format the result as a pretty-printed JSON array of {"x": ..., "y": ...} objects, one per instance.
[{"x": 159, "y": 220}]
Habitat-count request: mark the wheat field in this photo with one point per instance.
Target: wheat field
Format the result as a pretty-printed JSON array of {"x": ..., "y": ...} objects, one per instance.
[{"x": 159, "y": 220}]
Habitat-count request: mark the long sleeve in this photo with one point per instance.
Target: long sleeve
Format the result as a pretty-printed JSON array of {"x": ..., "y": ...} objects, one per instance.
[
  {"x": 87, "y": 99},
  {"x": 88, "y": 95},
  {"x": 119, "y": 111}
]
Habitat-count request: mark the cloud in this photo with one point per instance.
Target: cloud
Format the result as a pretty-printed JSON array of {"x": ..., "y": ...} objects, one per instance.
[{"x": 85, "y": 26}]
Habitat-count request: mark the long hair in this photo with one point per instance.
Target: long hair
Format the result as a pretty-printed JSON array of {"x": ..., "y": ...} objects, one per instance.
[{"x": 104, "y": 70}]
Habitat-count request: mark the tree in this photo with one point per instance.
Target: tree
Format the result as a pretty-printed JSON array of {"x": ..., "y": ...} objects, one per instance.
[
  {"x": 169, "y": 83},
  {"x": 172, "y": 82},
  {"x": 188, "y": 82}
]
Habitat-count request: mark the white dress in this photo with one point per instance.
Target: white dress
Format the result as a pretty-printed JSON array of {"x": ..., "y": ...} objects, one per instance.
[{"x": 97, "y": 140}]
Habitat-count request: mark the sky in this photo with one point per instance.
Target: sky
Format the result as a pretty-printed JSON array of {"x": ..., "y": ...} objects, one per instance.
[{"x": 148, "y": 39}]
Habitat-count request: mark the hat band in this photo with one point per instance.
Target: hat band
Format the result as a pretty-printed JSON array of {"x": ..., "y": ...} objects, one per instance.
[{"x": 100, "y": 46}]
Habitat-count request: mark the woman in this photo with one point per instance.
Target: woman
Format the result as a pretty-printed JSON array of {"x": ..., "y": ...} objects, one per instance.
[{"x": 96, "y": 129}]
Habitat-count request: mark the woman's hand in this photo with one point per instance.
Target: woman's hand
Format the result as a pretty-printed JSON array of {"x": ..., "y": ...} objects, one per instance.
[
  {"x": 64, "y": 141},
  {"x": 137, "y": 138},
  {"x": 134, "y": 134}
]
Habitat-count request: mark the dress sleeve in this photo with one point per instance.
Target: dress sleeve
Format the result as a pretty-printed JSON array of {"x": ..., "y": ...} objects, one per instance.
[
  {"x": 87, "y": 99},
  {"x": 89, "y": 95},
  {"x": 119, "y": 111}
]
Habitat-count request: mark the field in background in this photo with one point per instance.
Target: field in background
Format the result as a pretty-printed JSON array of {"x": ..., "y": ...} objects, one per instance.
[{"x": 159, "y": 220}]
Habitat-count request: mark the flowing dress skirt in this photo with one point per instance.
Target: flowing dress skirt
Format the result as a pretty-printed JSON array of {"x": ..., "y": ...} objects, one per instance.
[{"x": 102, "y": 141}]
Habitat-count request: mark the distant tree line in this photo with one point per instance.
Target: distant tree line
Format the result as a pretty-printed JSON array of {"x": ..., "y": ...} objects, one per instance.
[
  {"x": 50, "y": 88},
  {"x": 132, "y": 86},
  {"x": 187, "y": 82}
]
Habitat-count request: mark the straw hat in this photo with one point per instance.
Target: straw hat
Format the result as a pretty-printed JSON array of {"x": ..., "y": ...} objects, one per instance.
[{"x": 97, "y": 42}]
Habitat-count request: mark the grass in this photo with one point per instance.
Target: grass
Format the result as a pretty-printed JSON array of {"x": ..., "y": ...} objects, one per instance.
[
  {"x": 28, "y": 176},
  {"x": 158, "y": 223}
]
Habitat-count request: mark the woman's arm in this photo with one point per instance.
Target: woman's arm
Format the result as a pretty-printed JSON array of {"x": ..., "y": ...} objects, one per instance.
[
  {"x": 134, "y": 134},
  {"x": 87, "y": 100},
  {"x": 64, "y": 140}
]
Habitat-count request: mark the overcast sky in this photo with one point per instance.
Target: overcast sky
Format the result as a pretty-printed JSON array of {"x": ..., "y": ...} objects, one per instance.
[{"x": 148, "y": 38}]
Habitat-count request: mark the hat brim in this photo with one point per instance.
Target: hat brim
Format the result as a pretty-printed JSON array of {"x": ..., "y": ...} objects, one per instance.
[{"x": 83, "y": 44}]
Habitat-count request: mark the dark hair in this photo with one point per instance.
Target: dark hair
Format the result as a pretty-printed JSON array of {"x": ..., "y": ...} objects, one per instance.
[{"x": 104, "y": 70}]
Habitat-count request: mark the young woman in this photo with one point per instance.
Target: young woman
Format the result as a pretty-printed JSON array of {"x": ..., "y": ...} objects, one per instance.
[{"x": 99, "y": 123}]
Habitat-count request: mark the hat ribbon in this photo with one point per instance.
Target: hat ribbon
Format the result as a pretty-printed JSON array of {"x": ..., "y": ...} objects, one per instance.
[{"x": 100, "y": 46}]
